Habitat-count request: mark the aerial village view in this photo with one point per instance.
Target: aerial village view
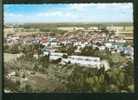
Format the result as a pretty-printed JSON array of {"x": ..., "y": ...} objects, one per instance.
[{"x": 68, "y": 48}]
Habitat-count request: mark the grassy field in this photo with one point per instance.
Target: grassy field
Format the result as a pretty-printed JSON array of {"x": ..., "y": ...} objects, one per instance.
[{"x": 10, "y": 57}]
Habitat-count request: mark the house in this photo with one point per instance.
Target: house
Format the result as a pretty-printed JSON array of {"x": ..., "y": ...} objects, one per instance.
[
  {"x": 93, "y": 28},
  {"x": 102, "y": 47},
  {"x": 11, "y": 74},
  {"x": 105, "y": 64},
  {"x": 108, "y": 45},
  {"x": 46, "y": 53},
  {"x": 54, "y": 44},
  {"x": 129, "y": 51},
  {"x": 12, "y": 42},
  {"x": 78, "y": 50},
  {"x": 44, "y": 41}
]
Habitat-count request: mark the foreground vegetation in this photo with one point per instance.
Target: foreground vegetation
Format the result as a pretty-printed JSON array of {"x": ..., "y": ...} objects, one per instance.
[{"x": 41, "y": 75}]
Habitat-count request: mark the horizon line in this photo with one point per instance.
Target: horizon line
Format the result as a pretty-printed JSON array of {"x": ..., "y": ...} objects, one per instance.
[{"x": 67, "y": 22}]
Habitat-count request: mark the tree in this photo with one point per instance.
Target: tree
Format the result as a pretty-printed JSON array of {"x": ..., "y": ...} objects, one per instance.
[
  {"x": 28, "y": 88},
  {"x": 12, "y": 49}
]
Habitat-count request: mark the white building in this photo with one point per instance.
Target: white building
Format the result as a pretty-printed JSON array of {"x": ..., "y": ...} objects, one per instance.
[
  {"x": 84, "y": 61},
  {"x": 108, "y": 45},
  {"x": 115, "y": 28},
  {"x": 93, "y": 28},
  {"x": 102, "y": 47},
  {"x": 70, "y": 28},
  {"x": 53, "y": 44},
  {"x": 56, "y": 55},
  {"x": 45, "y": 44}
]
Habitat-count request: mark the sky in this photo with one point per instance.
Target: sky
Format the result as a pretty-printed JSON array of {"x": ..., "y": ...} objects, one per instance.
[{"x": 41, "y": 13}]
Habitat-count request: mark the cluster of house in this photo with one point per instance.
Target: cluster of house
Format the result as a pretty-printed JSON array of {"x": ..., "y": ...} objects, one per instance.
[
  {"x": 102, "y": 41},
  {"x": 80, "y": 38}
]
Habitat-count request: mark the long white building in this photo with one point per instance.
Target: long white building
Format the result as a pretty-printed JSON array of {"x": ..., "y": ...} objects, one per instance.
[
  {"x": 91, "y": 62},
  {"x": 84, "y": 61}
]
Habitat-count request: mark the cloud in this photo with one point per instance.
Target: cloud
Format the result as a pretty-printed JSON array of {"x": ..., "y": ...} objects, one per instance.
[
  {"x": 56, "y": 13},
  {"x": 13, "y": 15},
  {"x": 80, "y": 6},
  {"x": 105, "y": 7},
  {"x": 114, "y": 6}
]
